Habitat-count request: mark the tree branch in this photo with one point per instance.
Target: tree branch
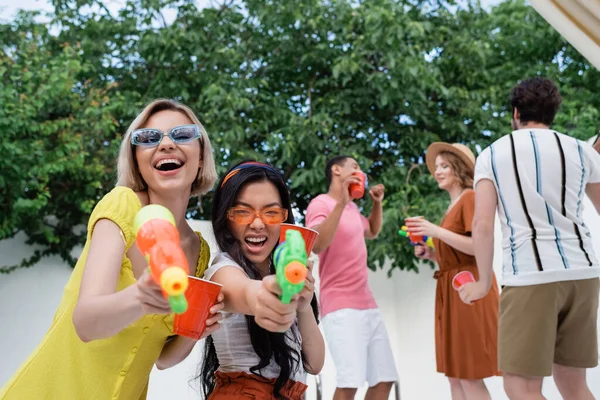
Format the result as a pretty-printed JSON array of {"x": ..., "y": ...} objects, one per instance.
[
  {"x": 162, "y": 17},
  {"x": 311, "y": 82},
  {"x": 410, "y": 170}
]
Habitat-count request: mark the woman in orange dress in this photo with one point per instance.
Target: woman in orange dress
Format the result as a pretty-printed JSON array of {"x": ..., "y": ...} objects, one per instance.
[{"x": 465, "y": 335}]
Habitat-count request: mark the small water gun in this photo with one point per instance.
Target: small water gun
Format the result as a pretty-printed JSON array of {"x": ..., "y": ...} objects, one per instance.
[
  {"x": 290, "y": 265},
  {"x": 414, "y": 239},
  {"x": 158, "y": 240}
]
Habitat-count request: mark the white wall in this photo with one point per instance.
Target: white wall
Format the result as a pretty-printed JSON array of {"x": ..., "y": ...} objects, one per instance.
[{"x": 29, "y": 297}]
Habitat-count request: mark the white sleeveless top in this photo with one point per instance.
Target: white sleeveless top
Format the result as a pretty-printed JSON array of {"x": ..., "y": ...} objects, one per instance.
[{"x": 232, "y": 339}]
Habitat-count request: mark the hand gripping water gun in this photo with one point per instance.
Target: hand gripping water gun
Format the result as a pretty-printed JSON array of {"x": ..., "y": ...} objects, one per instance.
[
  {"x": 158, "y": 240},
  {"x": 290, "y": 265},
  {"x": 414, "y": 239}
]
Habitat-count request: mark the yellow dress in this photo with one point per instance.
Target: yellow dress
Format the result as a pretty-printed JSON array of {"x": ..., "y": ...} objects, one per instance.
[{"x": 63, "y": 367}]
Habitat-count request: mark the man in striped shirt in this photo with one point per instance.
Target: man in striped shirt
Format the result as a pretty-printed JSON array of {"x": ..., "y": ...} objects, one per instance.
[{"x": 536, "y": 179}]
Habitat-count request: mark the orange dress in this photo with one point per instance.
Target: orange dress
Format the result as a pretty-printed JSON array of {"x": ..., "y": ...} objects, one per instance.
[{"x": 466, "y": 336}]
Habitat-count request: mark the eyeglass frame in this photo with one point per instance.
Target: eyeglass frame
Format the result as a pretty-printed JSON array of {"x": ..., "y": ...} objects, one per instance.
[
  {"x": 257, "y": 214},
  {"x": 169, "y": 133}
]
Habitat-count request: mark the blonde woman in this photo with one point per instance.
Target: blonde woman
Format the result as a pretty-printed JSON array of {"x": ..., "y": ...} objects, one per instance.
[{"x": 113, "y": 324}]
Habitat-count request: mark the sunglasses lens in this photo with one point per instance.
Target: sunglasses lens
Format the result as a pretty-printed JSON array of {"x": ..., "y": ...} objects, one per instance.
[
  {"x": 241, "y": 216},
  {"x": 184, "y": 134},
  {"x": 146, "y": 137},
  {"x": 274, "y": 216},
  {"x": 244, "y": 216}
]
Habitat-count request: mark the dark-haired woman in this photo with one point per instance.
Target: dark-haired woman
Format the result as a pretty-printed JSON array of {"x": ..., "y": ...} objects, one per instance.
[{"x": 264, "y": 347}]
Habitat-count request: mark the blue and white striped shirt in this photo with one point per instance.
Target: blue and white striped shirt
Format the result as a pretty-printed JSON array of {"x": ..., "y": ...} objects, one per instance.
[{"x": 540, "y": 177}]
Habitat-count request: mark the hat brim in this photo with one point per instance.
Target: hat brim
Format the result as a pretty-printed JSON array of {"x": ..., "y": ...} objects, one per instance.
[{"x": 436, "y": 148}]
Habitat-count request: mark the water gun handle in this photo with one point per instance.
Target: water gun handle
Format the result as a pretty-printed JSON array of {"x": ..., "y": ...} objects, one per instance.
[
  {"x": 290, "y": 265},
  {"x": 286, "y": 296}
]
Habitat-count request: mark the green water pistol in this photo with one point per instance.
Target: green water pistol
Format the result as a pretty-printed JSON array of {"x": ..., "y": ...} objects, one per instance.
[{"x": 290, "y": 265}]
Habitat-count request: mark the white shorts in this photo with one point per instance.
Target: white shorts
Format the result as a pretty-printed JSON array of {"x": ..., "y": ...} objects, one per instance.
[{"x": 360, "y": 347}]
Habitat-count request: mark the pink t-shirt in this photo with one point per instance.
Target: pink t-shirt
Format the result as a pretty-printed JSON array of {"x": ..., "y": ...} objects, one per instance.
[{"x": 343, "y": 266}]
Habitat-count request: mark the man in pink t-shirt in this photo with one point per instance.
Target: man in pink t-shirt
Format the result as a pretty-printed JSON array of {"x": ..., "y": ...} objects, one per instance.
[{"x": 354, "y": 329}]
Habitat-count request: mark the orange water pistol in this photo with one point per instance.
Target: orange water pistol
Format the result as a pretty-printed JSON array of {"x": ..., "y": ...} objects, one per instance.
[{"x": 157, "y": 238}]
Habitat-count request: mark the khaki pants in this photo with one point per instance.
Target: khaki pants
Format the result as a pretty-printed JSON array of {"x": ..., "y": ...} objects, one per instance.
[{"x": 550, "y": 323}]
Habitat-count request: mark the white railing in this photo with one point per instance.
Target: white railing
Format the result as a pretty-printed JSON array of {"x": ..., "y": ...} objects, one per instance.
[
  {"x": 396, "y": 388},
  {"x": 319, "y": 387}
]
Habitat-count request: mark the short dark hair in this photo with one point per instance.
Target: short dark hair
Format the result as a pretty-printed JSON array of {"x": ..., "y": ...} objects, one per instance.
[
  {"x": 537, "y": 100},
  {"x": 338, "y": 160}
]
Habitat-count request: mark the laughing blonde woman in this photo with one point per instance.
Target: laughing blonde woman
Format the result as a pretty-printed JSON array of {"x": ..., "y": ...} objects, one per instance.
[{"x": 113, "y": 324}]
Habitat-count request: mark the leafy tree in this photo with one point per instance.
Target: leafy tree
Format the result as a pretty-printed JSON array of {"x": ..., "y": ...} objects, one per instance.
[
  {"x": 56, "y": 141},
  {"x": 292, "y": 85}
]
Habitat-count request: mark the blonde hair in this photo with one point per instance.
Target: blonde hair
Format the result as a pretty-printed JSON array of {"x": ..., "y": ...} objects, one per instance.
[
  {"x": 463, "y": 173},
  {"x": 128, "y": 173}
]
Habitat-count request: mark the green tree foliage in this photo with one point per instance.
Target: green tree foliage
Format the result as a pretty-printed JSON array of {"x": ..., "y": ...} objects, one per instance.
[
  {"x": 291, "y": 83},
  {"x": 56, "y": 134}
]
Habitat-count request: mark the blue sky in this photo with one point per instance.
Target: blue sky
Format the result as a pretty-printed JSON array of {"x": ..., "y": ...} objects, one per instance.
[{"x": 8, "y": 8}]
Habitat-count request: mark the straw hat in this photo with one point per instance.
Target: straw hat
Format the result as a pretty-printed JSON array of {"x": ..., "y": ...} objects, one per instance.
[{"x": 460, "y": 150}]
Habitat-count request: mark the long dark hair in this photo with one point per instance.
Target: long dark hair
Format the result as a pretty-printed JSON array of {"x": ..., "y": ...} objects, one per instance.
[{"x": 267, "y": 345}]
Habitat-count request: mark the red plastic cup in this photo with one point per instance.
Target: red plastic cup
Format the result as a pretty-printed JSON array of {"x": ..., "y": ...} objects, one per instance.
[
  {"x": 309, "y": 235},
  {"x": 461, "y": 278},
  {"x": 357, "y": 190},
  {"x": 415, "y": 238},
  {"x": 201, "y": 295}
]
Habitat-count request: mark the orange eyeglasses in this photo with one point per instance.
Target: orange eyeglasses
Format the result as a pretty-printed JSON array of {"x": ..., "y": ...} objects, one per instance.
[{"x": 246, "y": 215}]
